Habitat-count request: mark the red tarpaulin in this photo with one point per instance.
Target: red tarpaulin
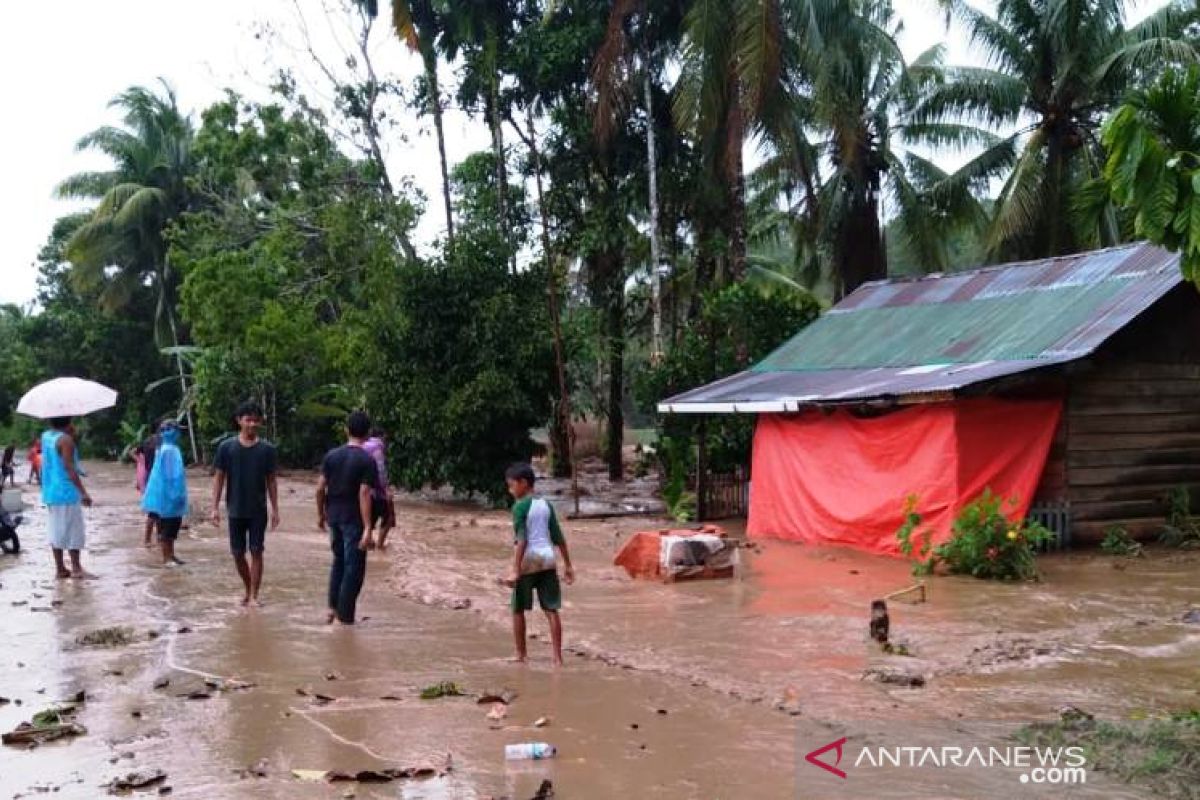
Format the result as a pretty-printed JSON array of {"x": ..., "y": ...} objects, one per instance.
[{"x": 840, "y": 479}]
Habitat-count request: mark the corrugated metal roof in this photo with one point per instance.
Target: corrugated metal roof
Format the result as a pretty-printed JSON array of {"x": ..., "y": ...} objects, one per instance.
[{"x": 942, "y": 333}]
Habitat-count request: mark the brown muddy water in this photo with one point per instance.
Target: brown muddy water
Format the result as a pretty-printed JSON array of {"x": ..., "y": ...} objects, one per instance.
[{"x": 747, "y": 671}]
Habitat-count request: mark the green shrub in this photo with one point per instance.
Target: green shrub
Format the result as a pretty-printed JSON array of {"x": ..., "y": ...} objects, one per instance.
[
  {"x": 925, "y": 562},
  {"x": 1182, "y": 529},
  {"x": 984, "y": 543},
  {"x": 1118, "y": 542}
]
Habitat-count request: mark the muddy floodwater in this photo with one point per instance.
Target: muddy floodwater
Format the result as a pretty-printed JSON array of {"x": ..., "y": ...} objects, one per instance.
[{"x": 696, "y": 690}]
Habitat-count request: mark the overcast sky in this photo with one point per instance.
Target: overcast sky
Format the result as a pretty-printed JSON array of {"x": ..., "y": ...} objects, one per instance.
[{"x": 63, "y": 61}]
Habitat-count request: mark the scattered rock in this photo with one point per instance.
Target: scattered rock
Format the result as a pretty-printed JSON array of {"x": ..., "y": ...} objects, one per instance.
[
  {"x": 633, "y": 726},
  {"x": 196, "y": 694},
  {"x": 498, "y": 712},
  {"x": 661, "y": 711},
  {"x": 183, "y": 629},
  {"x": 392, "y": 697},
  {"x": 165, "y": 790},
  {"x": 333, "y": 676},
  {"x": 141, "y": 779},
  {"x": 894, "y": 677},
  {"x": 135, "y": 714},
  {"x": 162, "y": 683},
  {"x": 1192, "y": 617}
]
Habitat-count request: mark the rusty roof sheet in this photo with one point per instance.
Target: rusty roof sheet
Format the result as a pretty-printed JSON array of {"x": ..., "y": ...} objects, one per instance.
[{"x": 940, "y": 333}]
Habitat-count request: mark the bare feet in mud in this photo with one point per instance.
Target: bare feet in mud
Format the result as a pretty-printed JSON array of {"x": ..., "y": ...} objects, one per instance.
[
  {"x": 245, "y": 601},
  {"x": 330, "y": 616},
  {"x": 82, "y": 575},
  {"x": 62, "y": 574}
]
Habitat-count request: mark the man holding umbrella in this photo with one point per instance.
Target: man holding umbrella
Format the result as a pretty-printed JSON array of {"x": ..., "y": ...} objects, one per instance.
[
  {"x": 64, "y": 496},
  {"x": 63, "y": 493}
]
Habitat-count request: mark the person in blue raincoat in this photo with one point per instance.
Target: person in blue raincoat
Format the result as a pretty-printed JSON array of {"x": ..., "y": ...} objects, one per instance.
[{"x": 166, "y": 497}]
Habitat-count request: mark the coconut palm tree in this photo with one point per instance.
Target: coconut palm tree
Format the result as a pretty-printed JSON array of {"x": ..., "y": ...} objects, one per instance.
[
  {"x": 846, "y": 152},
  {"x": 122, "y": 244},
  {"x": 1056, "y": 68}
]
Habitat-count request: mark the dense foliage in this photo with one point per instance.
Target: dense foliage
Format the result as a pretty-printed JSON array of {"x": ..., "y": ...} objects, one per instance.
[{"x": 613, "y": 244}]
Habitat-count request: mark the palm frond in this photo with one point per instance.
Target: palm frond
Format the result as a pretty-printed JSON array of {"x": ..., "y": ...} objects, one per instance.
[
  {"x": 89, "y": 185},
  {"x": 1021, "y": 203}
]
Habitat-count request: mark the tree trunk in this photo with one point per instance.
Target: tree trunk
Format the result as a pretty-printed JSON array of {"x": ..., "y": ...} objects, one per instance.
[
  {"x": 736, "y": 182},
  {"x": 656, "y": 340},
  {"x": 435, "y": 103},
  {"x": 615, "y": 345},
  {"x": 561, "y": 432},
  {"x": 861, "y": 256},
  {"x": 495, "y": 120}
]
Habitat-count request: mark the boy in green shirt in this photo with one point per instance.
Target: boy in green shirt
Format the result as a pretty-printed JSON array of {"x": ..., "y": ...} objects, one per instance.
[{"x": 534, "y": 566}]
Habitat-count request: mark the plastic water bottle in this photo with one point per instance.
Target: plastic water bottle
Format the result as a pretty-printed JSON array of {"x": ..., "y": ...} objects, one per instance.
[{"x": 529, "y": 750}]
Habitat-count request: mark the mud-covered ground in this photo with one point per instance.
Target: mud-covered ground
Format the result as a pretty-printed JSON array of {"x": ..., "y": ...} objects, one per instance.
[{"x": 748, "y": 671}]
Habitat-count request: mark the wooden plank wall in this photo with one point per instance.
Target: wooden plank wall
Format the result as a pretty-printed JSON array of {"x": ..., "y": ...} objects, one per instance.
[{"x": 1132, "y": 434}]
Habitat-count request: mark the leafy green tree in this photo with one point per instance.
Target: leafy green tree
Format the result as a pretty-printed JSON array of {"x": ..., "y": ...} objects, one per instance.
[
  {"x": 739, "y": 325},
  {"x": 1153, "y": 167},
  {"x": 455, "y": 363},
  {"x": 286, "y": 242},
  {"x": 137, "y": 200},
  {"x": 1056, "y": 69}
]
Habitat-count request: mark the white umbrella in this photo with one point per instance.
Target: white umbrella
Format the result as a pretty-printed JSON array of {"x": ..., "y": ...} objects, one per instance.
[{"x": 66, "y": 397}]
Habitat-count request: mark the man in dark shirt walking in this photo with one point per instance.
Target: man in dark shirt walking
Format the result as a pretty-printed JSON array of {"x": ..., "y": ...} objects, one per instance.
[
  {"x": 348, "y": 474},
  {"x": 245, "y": 467}
]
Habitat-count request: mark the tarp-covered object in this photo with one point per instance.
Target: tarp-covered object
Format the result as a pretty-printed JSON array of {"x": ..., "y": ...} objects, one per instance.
[
  {"x": 674, "y": 555},
  {"x": 836, "y": 478}
]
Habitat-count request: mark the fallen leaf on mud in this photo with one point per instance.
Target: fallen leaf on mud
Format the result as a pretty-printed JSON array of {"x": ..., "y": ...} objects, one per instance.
[
  {"x": 228, "y": 685},
  {"x": 136, "y": 780},
  {"x": 162, "y": 683},
  {"x": 661, "y": 711},
  {"x": 27, "y": 733},
  {"x": 309, "y": 774},
  {"x": 505, "y": 696},
  {"x": 442, "y": 689},
  {"x": 260, "y": 769},
  {"x": 116, "y": 636},
  {"x": 20, "y": 602},
  {"x": 196, "y": 694},
  {"x": 316, "y": 697},
  {"x": 164, "y": 790},
  {"x": 894, "y": 677},
  {"x": 498, "y": 712},
  {"x": 184, "y": 629}
]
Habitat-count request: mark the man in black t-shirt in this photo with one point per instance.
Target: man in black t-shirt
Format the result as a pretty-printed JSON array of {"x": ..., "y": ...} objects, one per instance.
[
  {"x": 244, "y": 471},
  {"x": 348, "y": 474}
]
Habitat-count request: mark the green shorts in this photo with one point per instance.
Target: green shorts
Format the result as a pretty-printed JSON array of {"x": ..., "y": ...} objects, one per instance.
[{"x": 548, "y": 591}]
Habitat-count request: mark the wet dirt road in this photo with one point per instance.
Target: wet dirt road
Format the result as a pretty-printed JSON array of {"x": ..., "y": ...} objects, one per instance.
[
  {"x": 699, "y": 748},
  {"x": 717, "y": 657}
]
